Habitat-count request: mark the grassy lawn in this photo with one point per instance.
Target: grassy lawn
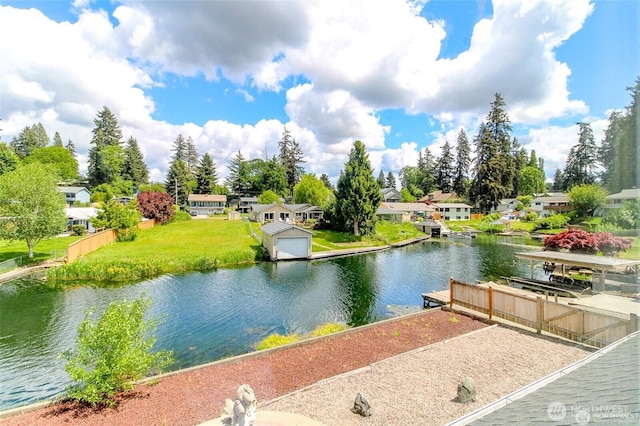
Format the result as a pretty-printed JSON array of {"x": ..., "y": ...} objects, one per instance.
[
  {"x": 203, "y": 244},
  {"x": 386, "y": 233},
  {"x": 43, "y": 250}
]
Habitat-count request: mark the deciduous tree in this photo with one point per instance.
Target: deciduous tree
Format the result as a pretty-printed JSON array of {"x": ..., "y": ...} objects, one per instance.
[
  {"x": 585, "y": 199},
  {"x": 311, "y": 190},
  {"x": 121, "y": 217},
  {"x": 156, "y": 205},
  {"x": 31, "y": 207},
  {"x": 59, "y": 158}
]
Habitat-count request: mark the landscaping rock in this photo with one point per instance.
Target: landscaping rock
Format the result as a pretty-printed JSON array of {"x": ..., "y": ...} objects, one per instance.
[
  {"x": 361, "y": 406},
  {"x": 467, "y": 391}
]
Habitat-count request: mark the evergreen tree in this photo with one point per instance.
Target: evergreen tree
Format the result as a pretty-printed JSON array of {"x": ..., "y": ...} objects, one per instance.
[
  {"x": 71, "y": 147},
  {"x": 558, "y": 181},
  {"x": 426, "y": 180},
  {"x": 410, "y": 178},
  {"x": 180, "y": 182},
  {"x": 30, "y": 139},
  {"x": 106, "y": 133},
  {"x": 619, "y": 154},
  {"x": 57, "y": 140},
  {"x": 238, "y": 179},
  {"x": 581, "y": 161},
  {"x": 487, "y": 189},
  {"x": 499, "y": 128},
  {"x": 327, "y": 183},
  {"x": 291, "y": 159},
  {"x": 357, "y": 194},
  {"x": 444, "y": 171},
  {"x": 180, "y": 149},
  {"x": 381, "y": 180},
  {"x": 191, "y": 155},
  {"x": 8, "y": 159},
  {"x": 463, "y": 162},
  {"x": 391, "y": 180},
  {"x": 206, "y": 176},
  {"x": 134, "y": 168}
]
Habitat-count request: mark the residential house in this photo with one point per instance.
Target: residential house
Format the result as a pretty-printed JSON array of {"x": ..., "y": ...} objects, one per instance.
[
  {"x": 390, "y": 195},
  {"x": 206, "y": 204},
  {"x": 75, "y": 194},
  {"x": 404, "y": 212},
  {"x": 245, "y": 203},
  {"x": 299, "y": 213},
  {"x": 453, "y": 211},
  {"x": 285, "y": 241},
  {"x": 439, "y": 197},
  {"x": 505, "y": 205},
  {"x": 81, "y": 216},
  {"x": 546, "y": 206},
  {"x": 615, "y": 201}
]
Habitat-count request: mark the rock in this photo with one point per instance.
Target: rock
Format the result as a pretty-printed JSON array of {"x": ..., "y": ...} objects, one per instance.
[
  {"x": 467, "y": 391},
  {"x": 361, "y": 406}
]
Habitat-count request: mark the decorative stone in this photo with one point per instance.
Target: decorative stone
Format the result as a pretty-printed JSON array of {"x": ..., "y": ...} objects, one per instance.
[
  {"x": 361, "y": 406},
  {"x": 467, "y": 391},
  {"x": 241, "y": 411}
]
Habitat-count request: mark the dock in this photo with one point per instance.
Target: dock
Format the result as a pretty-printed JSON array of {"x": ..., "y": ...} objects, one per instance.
[{"x": 435, "y": 299}]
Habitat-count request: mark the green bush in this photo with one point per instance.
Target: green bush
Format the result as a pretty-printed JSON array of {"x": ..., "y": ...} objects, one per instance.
[
  {"x": 328, "y": 328},
  {"x": 113, "y": 352},
  {"x": 181, "y": 216},
  {"x": 555, "y": 221},
  {"x": 530, "y": 216},
  {"x": 78, "y": 230}
]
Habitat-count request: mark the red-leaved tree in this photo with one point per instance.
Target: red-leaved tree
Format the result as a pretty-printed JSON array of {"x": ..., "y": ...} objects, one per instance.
[
  {"x": 156, "y": 205},
  {"x": 580, "y": 241}
]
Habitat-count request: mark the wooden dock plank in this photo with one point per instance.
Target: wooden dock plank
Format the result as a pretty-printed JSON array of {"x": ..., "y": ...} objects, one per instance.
[{"x": 436, "y": 298}]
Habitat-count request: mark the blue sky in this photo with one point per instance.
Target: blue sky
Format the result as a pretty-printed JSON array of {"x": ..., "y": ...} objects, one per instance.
[{"x": 400, "y": 76}]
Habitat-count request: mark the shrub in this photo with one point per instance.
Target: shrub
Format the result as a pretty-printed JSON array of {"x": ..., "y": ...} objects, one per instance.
[
  {"x": 530, "y": 216},
  {"x": 328, "y": 328},
  {"x": 181, "y": 216},
  {"x": 78, "y": 230},
  {"x": 555, "y": 221},
  {"x": 580, "y": 241},
  {"x": 113, "y": 352},
  {"x": 276, "y": 340}
]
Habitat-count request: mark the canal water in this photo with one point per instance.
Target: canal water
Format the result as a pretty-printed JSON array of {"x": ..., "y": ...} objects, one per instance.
[{"x": 208, "y": 316}]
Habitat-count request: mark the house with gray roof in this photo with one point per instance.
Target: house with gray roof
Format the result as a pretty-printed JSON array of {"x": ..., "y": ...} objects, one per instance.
[{"x": 75, "y": 194}]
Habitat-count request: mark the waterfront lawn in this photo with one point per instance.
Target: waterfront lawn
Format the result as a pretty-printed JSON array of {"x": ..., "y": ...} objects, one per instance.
[
  {"x": 203, "y": 244},
  {"x": 386, "y": 233},
  {"x": 43, "y": 250}
]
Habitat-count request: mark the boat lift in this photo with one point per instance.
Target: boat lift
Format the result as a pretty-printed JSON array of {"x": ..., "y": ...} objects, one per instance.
[{"x": 600, "y": 264}]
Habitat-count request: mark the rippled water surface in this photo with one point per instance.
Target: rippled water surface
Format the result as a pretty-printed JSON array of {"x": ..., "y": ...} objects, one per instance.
[{"x": 208, "y": 316}]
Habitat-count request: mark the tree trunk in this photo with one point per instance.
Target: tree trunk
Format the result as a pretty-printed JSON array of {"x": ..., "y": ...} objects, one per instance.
[{"x": 356, "y": 231}]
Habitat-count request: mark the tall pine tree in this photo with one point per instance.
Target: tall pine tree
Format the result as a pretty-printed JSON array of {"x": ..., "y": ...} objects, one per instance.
[
  {"x": 581, "y": 161},
  {"x": 134, "y": 168},
  {"x": 106, "y": 133},
  {"x": 487, "y": 189},
  {"x": 358, "y": 194},
  {"x": 444, "y": 171},
  {"x": 206, "y": 176},
  {"x": 391, "y": 180},
  {"x": 463, "y": 162},
  {"x": 238, "y": 179},
  {"x": 291, "y": 159}
]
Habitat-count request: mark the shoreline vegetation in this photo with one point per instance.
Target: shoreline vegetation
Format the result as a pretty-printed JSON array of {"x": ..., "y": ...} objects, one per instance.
[
  {"x": 202, "y": 245},
  {"x": 206, "y": 245}
]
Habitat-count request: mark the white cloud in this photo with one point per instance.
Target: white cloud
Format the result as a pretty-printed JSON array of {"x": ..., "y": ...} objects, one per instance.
[{"x": 355, "y": 58}]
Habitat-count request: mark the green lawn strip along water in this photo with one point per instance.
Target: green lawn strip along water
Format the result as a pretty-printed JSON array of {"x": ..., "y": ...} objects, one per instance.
[
  {"x": 43, "y": 250},
  {"x": 173, "y": 248}
]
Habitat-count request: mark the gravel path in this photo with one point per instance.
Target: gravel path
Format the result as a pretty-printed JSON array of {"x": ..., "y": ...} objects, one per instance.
[{"x": 419, "y": 387}]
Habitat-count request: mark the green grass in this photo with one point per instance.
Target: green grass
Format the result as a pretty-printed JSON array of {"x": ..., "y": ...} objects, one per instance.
[
  {"x": 173, "y": 248},
  {"x": 386, "y": 233},
  {"x": 43, "y": 250}
]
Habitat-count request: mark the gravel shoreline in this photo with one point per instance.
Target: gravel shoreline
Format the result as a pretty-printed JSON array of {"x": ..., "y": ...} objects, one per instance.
[{"x": 419, "y": 387}]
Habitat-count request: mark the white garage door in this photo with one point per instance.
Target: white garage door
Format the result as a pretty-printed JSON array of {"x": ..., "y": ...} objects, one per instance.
[{"x": 292, "y": 248}]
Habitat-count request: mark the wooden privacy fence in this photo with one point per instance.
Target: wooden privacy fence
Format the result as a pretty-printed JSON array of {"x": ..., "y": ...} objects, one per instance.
[
  {"x": 592, "y": 328},
  {"x": 97, "y": 240}
]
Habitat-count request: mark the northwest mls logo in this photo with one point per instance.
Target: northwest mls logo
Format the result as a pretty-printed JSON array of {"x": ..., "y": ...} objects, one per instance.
[{"x": 556, "y": 411}]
